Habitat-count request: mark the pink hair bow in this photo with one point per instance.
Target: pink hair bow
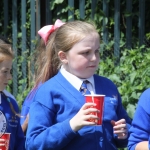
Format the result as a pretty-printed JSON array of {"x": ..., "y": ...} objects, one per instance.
[{"x": 45, "y": 31}]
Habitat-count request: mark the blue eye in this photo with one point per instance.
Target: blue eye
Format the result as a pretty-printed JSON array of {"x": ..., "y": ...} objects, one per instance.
[{"x": 86, "y": 53}]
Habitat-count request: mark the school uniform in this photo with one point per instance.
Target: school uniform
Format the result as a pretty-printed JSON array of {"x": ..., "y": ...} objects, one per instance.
[
  {"x": 140, "y": 129},
  {"x": 26, "y": 106},
  {"x": 57, "y": 101},
  {"x": 9, "y": 94},
  {"x": 13, "y": 126}
]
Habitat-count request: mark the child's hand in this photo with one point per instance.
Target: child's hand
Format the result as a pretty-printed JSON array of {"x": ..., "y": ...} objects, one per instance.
[
  {"x": 82, "y": 117},
  {"x": 120, "y": 128}
]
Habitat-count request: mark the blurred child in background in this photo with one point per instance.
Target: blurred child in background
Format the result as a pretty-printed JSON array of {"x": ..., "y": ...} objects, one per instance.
[{"x": 8, "y": 105}]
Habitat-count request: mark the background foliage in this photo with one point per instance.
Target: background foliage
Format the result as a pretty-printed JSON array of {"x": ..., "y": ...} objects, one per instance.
[{"x": 131, "y": 73}]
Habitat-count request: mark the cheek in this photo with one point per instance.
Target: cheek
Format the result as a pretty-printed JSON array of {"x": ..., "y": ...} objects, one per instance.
[
  {"x": 1, "y": 82},
  {"x": 78, "y": 61},
  {"x": 82, "y": 63},
  {"x": 2, "y": 79},
  {"x": 98, "y": 58}
]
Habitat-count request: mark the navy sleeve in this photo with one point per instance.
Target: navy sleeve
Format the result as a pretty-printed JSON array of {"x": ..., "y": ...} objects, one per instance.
[
  {"x": 20, "y": 139},
  {"x": 122, "y": 114}
]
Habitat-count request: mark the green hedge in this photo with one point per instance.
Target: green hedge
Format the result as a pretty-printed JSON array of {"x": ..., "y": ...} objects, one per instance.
[{"x": 131, "y": 74}]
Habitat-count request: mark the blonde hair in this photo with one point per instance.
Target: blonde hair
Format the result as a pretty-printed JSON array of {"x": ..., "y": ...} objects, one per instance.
[
  {"x": 6, "y": 51},
  {"x": 62, "y": 39}
]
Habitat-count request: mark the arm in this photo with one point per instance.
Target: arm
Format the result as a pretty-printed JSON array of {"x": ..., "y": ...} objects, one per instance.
[
  {"x": 25, "y": 124},
  {"x": 42, "y": 126},
  {"x": 24, "y": 114},
  {"x": 139, "y": 132},
  {"x": 121, "y": 126},
  {"x": 58, "y": 134},
  {"x": 142, "y": 145}
]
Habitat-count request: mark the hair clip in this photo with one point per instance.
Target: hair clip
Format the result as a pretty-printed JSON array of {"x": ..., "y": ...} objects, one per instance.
[{"x": 45, "y": 31}]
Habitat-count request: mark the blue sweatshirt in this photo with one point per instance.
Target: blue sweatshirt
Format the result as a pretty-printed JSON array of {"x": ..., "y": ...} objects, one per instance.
[
  {"x": 17, "y": 141},
  {"x": 26, "y": 106},
  {"x": 140, "y": 129},
  {"x": 56, "y": 102}
]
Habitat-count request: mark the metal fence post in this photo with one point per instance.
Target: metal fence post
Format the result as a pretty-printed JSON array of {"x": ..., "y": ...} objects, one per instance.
[
  {"x": 117, "y": 30},
  {"x": 105, "y": 29},
  {"x": 141, "y": 21},
  {"x": 48, "y": 13},
  {"x": 24, "y": 40},
  {"x": 71, "y": 12},
  {"x": 14, "y": 38},
  {"x": 5, "y": 16},
  {"x": 93, "y": 6},
  {"x": 32, "y": 36},
  {"x": 81, "y": 8},
  {"x": 129, "y": 24}
]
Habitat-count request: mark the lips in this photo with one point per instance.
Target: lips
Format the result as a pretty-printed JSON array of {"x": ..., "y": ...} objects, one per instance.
[{"x": 91, "y": 66}]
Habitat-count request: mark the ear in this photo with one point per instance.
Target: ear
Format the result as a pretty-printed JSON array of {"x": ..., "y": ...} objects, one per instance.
[{"x": 63, "y": 57}]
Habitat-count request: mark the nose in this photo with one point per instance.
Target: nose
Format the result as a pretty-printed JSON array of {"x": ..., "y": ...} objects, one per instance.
[{"x": 94, "y": 57}]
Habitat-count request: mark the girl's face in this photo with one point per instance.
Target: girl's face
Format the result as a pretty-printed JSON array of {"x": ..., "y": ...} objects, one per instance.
[
  {"x": 82, "y": 59},
  {"x": 5, "y": 72}
]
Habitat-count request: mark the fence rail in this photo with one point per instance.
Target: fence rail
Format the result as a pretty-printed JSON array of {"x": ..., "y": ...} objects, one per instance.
[{"x": 37, "y": 13}]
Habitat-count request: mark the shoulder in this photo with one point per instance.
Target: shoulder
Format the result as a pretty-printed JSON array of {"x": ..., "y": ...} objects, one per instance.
[
  {"x": 146, "y": 93},
  {"x": 55, "y": 81},
  {"x": 9, "y": 94},
  {"x": 145, "y": 96},
  {"x": 11, "y": 98},
  {"x": 103, "y": 80},
  {"x": 144, "y": 100}
]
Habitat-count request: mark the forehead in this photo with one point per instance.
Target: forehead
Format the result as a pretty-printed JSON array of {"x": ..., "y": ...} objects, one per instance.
[
  {"x": 89, "y": 40},
  {"x": 91, "y": 37}
]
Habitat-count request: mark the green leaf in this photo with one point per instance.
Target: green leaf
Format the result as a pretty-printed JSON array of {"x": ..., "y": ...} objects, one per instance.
[
  {"x": 58, "y": 1},
  {"x": 131, "y": 110}
]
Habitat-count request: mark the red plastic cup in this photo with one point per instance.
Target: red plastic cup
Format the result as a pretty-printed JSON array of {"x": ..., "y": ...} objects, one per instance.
[
  {"x": 4, "y": 141},
  {"x": 99, "y": 101}
]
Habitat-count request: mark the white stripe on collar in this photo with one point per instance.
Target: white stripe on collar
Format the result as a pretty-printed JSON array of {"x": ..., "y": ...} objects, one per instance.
[{"x": 76, "y": 82}]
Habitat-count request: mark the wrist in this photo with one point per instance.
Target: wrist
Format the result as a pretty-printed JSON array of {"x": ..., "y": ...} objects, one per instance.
[{"x": 73, "y": 125}]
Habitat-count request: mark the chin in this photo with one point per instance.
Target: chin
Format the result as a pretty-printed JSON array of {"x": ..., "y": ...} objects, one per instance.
[{"x": 86, "y": 76}]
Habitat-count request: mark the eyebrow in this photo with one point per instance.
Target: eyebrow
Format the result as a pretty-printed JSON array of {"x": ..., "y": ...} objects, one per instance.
[{"x": 6, "y": 68}]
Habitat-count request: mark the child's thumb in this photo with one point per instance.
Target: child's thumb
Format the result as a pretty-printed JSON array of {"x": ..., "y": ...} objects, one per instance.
[{"x": 113, "y": 122}]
